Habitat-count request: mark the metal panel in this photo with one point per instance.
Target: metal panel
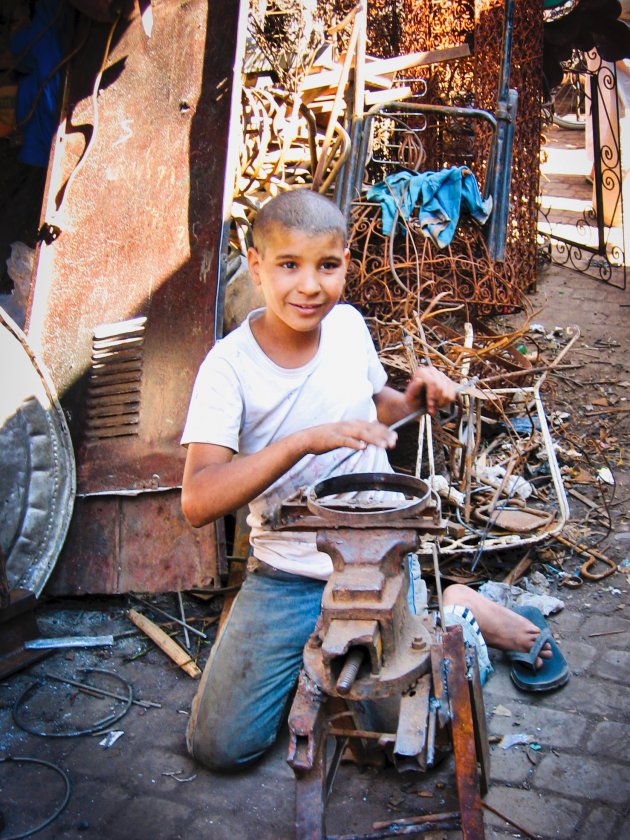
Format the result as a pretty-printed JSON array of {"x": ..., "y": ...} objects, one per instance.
[
  {"x": 134, "y": 268},
  {"x": 142, "y": 544},
  {"x": 126, "y": 281}
]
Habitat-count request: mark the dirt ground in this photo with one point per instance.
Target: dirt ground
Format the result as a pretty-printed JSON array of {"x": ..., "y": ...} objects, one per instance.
[{"x": 571, "y": 781}]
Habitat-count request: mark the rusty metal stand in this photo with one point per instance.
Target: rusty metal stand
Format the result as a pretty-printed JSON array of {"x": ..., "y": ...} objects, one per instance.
[{"x": 368, "y": 646}]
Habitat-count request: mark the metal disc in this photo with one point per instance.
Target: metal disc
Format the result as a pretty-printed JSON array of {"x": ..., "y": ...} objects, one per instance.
[{"x": 37, "y": 474}]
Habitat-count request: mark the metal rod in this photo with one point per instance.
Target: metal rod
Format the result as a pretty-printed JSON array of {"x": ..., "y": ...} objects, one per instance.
[
  {"x": 183, "y": 615},
  {"x": 431, "y": 735},
  {"x": 93, "y": 689},
  {"x": 68, "y": 642},
  {"x": 438, "y": 584},
  {"x": 169, "y": 616},
  {"x": 404, "y": 831}
]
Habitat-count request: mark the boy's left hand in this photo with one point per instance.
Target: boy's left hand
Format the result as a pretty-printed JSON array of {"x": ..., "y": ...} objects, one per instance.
[{"x": 431, "y": 388}]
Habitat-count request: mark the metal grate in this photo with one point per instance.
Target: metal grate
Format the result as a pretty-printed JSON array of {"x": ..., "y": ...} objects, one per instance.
[{"x": 115, "y": 378}]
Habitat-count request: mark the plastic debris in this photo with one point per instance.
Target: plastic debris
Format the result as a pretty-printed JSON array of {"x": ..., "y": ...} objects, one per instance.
[
  {"x": 110, "y": 739},
  {"x": 511, "y": 740},
  {"x": 511, "y": 596},
  {"x": 501, "y": 711},
  {"x": 605, "y": 475}
]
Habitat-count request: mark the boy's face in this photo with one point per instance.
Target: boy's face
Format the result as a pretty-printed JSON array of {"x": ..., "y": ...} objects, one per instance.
[{"x": 301, "y": 277}]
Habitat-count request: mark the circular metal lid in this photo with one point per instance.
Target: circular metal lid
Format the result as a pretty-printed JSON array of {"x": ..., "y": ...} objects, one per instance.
[{"x": 37, "y": 474}]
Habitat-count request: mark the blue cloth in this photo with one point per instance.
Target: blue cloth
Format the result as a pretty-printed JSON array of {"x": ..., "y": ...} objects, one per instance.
[
  {"x": 440, "y": 196},
  {"x": 253, "y": 666},
  {"x": 36, "y": 65}
]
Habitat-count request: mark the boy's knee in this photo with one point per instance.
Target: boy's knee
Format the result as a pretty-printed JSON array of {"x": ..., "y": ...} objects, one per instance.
[
  {"x": 218, "y": 747},
  {"x": 215, "y": 751}
]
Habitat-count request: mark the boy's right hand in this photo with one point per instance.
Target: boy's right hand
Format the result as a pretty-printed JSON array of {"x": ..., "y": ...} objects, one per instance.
[{"x": 352, "y": 434}]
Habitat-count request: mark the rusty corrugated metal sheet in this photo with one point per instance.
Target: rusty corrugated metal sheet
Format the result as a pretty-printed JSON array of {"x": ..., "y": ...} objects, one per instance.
[{"x": 124, "y": 301}]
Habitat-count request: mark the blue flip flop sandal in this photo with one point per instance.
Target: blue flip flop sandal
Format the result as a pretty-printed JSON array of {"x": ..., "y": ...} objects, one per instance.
[{"x": 553, "y": 673}]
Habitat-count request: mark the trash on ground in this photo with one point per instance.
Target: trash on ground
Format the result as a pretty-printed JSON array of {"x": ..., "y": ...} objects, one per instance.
[{"x": 110, "y": 739}]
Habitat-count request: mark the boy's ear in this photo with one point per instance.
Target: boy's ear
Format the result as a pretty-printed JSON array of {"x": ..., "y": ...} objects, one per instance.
[
  {"x": 346, "y": 256},
  {"x": 253, "y": 263}
]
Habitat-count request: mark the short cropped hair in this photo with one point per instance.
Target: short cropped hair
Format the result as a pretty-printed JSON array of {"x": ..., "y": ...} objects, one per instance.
[{"x": 299, "y": 209}]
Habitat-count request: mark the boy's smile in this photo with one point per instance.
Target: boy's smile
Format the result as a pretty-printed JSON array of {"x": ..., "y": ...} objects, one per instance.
[{"x": 301, "y": 277}]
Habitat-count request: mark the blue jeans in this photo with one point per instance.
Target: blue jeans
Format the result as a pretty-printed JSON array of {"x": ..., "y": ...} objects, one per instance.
[{"x": 251, "y": 671}]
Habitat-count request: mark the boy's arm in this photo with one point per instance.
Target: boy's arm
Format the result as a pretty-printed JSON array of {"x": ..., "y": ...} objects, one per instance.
[
  {"x": 428, "y": 387},
  {"x": 216, "y": 483}
]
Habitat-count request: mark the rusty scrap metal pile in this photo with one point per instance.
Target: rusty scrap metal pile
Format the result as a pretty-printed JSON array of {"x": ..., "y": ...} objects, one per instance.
[{"x": 493, "y": 462}]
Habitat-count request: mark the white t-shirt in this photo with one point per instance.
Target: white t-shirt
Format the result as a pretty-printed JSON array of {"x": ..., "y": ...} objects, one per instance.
[{"x": 244, "y": 401}]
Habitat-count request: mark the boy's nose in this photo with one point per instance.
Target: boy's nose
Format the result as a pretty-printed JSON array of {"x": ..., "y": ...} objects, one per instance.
[{"x": 309, "y": 282}]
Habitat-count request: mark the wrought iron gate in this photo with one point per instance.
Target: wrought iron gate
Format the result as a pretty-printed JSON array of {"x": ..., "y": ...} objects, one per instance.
[{"x": 584, "y": 230}]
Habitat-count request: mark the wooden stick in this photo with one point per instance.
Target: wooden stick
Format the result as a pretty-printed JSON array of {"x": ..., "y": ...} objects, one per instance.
[
  {"x": 384, "y": 66},
  {"x": 611, "y": 409},
  {"x": 339, "y": 27},
  {"x": 337, "y": 106},
  {"x": 519, "y": 570},
  {"x": 165, "y": 643},
  {"x": 359, "y": 65}
]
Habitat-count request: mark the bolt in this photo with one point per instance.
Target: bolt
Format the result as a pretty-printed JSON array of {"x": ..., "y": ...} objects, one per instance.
[{"x": 350, "y": 670}]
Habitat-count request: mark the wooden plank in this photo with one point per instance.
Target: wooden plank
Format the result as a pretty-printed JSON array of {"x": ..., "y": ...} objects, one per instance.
[
  {"x": 385, "y": 66},
  {"x": 382, "y": 97},
  {"x": 165, "y": 643}
]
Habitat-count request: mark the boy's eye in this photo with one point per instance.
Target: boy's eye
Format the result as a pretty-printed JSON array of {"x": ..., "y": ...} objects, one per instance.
[
  {"x": 290, "y": 264},
  {"x": 330, "y": 265}
]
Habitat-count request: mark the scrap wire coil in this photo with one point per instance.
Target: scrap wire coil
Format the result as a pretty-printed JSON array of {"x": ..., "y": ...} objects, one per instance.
[
  {"x": 17, "y": 759},
  {"x": 98, "y": 726}
]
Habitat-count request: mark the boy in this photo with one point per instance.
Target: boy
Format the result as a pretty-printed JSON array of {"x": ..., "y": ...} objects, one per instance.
[{"x": 295, "y": 387}]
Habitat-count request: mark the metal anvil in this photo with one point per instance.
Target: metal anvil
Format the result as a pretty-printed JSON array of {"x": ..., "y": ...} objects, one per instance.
[{"x": 368, "y": 644}]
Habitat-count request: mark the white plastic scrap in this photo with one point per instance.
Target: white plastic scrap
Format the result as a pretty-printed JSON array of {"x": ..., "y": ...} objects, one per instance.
[
  {"x": 510, "y": 740},
  {"x": 515, "y": 485},
  {"x": 110, "y": 739},
  {"x": 442, "y": 487},
  {"x": 514, "y": 596},
  {"x": 605, "y": 475},
  {"x": 501, "y": 711}
]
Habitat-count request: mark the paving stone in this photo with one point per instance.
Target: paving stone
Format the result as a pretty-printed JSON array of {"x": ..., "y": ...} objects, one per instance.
[
  {"x": 499, "y": 684},
  {"x": 590, "y": 699},
  {"x": 600, "y": 824},
  {"x": 494, "y": 833},
  {"x": 511, "y": 766},
  {"x": 611, "y": 739},
  {"x": 538, "y": 813},
  {"x": 606, "y": 623},
  {"x": 579, "y": 655},
  {"x": 549, "y": 727},
  {"x": 614, "y": 665},
  {"x": 566, "y": 621},
  {"x": 623, "y": 831},
  {"x": 584, "y": 777}
]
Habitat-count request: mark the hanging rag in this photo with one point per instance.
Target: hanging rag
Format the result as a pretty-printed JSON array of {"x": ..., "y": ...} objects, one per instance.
[{"x": 440, "y": 196}]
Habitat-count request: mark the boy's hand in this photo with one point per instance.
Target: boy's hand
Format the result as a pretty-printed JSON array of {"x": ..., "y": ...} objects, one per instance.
[
  {"x": 431, "y": 388},
  {"x": 354, "y": 434}
]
